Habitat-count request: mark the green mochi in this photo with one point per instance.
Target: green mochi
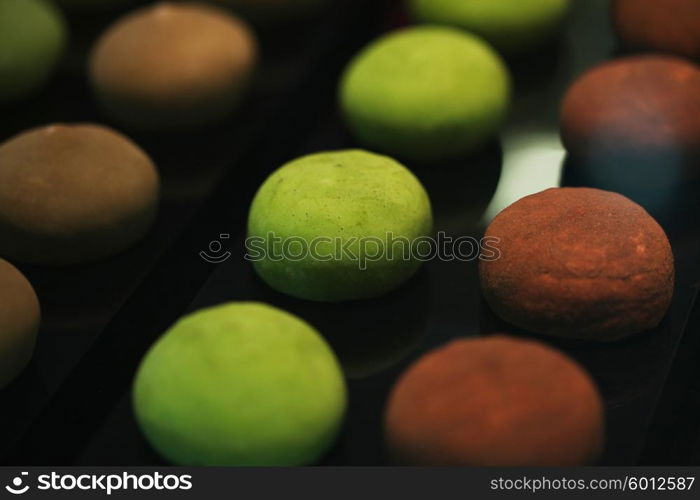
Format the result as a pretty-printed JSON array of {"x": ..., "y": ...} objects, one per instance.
[
  {"x": 511, "y": 25},
  {"x": 32, "y": 40},
  {"x": 241, "y": 384},
  {"x": 350, "y": 220},
  {"x": 426, "y": 94}
]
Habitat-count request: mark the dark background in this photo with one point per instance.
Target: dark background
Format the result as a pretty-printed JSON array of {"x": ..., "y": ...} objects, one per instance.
[{"x": 71, "y": 405}]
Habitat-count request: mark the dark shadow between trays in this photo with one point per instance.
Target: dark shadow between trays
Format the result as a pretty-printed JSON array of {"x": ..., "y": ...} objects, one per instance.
[
  {"x": 368, "y": 336},
  {"x": 461, "y": 189},
  {"x": 536, "y": 65}
]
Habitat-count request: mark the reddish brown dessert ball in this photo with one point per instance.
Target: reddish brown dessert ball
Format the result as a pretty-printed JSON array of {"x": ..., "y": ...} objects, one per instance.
[
  {"x": 579, "y": 263},
  {"x": 634, "y": 111},
  {"x": 665, "y": 25},
  {"x": 495, "y": 401},
  {"x": 19, "y": 322}
]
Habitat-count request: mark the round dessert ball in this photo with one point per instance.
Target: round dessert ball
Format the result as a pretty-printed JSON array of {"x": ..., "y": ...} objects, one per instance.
[
  {"x": 426, "y": 94},
  {"x": 241, "y": 384},
  {"x": 73, "y": 193},
  {"x": 32, "y": 40},
  {"x": 19, "y": 322},
  {"x": 579, "y": 263},
  {"x": 669, "y": 26},
  {"x": 636, "y": 111},
  {"x": 172, "y": 66},
  {"x": 510, "y": 25},
  {"x": 338, "y": 226},
  {"x": 495, "y": 401}
]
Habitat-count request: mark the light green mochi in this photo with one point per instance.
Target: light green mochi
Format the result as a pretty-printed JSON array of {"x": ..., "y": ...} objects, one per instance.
[
  {"x": 426, "y": 94},
  {"x": 32, "y": 40},
  {"x": 338, "y": 226},
  {"x": 241, "y": 384}
]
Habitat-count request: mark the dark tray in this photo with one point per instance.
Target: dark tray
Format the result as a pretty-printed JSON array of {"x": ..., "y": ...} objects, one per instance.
[{"x": 89, "y": 421}]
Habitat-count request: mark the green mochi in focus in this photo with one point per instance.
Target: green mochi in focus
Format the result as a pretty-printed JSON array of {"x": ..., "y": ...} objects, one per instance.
[
  {"x": 426, "y": 94},
  {"x": 511, "y": 25},
  {"x": 241, "y": 384},
  {"x": 32, "y": 40},
  {"x": 338, "y": 226}
]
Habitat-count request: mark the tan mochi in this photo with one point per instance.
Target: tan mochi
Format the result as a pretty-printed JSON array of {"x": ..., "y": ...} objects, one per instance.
[
  {"x": 173, "y": 66},
  {"x": 19, "y": 321},
  {"x": 73, "y": 193}
]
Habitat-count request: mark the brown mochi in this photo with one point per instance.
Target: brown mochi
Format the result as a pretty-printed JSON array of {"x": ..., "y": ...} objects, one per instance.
[
  {"x": 666, "y": 25},
  {"x": 636, "y": 119},
  {"x": 495, "y": 401},
  {"x": 579, "y": 263}
]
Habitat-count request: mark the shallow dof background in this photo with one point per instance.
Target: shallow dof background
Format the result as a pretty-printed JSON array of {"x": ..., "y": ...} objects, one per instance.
[{"x": 72, "y": 405}]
